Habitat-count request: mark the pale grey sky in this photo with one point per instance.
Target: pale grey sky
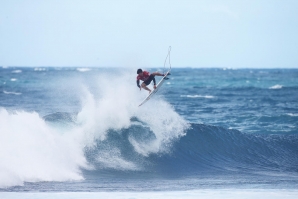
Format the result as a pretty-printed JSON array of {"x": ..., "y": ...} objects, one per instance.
[{"x": 137, "y": 33}]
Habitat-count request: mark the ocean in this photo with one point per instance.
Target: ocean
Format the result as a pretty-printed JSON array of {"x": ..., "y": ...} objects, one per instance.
[{"x": 77, "y": 132}]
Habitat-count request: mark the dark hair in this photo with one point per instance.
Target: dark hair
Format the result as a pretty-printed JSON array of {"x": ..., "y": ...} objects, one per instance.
[{"x": 139, "y": 71}]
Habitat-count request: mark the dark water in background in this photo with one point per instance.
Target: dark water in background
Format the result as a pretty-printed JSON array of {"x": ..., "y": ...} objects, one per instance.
[{"x": 79, "y": 129}]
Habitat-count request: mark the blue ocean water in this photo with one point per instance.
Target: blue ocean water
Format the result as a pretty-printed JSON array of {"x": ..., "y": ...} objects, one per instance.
[{"x": 80, "y": 129}]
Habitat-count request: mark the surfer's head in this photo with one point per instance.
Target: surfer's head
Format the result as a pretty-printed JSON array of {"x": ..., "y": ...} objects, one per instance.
[{"x": 139, "y": 71}]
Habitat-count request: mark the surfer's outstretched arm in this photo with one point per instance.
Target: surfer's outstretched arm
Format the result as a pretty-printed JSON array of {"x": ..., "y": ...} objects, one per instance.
[{"x": 157, "y": 74}]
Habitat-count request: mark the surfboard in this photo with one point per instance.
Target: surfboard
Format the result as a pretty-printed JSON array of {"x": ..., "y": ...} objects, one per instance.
[{"x": 157, "y": 88}]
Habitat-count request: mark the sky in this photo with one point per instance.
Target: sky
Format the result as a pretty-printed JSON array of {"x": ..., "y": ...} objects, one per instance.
[{"x": 138, "y": 33}]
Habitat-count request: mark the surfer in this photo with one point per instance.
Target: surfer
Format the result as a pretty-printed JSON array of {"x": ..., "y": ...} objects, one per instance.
[{"x": 146, "y": 77}]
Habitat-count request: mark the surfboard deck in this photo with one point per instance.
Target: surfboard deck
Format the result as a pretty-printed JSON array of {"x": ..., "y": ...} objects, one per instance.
[{"x": 157, "y": 88}]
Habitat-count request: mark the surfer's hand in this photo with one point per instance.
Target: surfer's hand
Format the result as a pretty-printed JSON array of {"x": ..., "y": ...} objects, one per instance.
[{"x": 154, "y": 86}]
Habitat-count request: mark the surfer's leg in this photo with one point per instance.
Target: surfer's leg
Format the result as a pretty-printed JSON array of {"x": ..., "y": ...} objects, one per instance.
[
  {"x": 149, "y": 80},
  {"x": 144, "y": 86}
]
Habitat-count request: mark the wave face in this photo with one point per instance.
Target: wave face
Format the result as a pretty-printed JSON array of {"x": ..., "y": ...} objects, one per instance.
[
  {"x": 203, "y": 150},
  {"x": 210, "y": 148}
]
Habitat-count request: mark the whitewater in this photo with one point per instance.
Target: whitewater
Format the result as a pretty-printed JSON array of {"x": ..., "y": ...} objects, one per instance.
[{"x": 80, "y": 129}]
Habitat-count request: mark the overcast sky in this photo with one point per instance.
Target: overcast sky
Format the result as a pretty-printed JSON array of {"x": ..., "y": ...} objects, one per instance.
[{"x": 137, "y": 33}]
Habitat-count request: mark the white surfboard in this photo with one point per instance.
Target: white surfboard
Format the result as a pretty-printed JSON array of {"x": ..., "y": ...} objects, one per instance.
[{"x": 155, "y": 90}]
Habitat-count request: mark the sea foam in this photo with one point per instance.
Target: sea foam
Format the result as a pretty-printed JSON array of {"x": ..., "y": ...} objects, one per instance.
[{"x": 33, "y": 151}]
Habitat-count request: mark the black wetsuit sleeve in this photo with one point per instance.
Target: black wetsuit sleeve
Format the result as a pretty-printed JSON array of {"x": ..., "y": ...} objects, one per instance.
[
  {"x": 138, "y": 83},
  {"x": 154, "y": 81}
]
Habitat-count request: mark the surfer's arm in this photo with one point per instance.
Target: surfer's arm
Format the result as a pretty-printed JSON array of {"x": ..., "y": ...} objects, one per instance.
[
  {"x": 138, "y": 83},
  {"x": 154, "y": 83}
]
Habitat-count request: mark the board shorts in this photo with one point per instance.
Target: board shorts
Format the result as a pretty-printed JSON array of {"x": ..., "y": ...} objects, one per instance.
[{"x": 148, "y": 81}]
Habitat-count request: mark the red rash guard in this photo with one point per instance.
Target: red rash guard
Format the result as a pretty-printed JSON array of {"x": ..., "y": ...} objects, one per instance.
[{"x": 146, "y": 77}]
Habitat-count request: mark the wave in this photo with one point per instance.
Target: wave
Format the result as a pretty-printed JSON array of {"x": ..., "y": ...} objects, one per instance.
[
  {"x": 203, "y": 150},
  {"x": 57, "y": 147},
  {"x": 33, "y": 151},
  {"x": 210, "y": 148},
  {"x": 40, "y": 69},
  {"x": 37, "y": 150},
  {"x": 16, "y": 71},
  {"x": 277, "y": 86},
  {"x": 11, "y": 93},
  {"x": 198, "y": 96},
  {"x": 83, "y": 69}
]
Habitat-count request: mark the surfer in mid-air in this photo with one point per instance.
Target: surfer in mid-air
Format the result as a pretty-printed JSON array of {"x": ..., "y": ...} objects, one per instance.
[{"x": 146, "y": 77}]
